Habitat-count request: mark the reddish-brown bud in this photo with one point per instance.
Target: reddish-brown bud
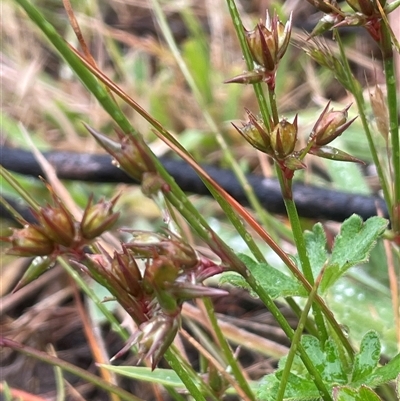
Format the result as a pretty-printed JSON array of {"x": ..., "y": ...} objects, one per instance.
[
  {"x": 248, "y": 77},
  {"x": 150, "y": 245},
  {"x": 156, "y": 336},
  {"x": 129, "y": 153},
  {"x": 125, "y": 269},
  {"x": 98, "y": 218},
  {"x": 256, "y": 134},
  {"x": 330, "y": 125},
  {"x": 268, "y": 42},
  {"x": 57, "y": 223},
  {"x": 284, "y": 138},
  {"x": 30, "y": 241}
]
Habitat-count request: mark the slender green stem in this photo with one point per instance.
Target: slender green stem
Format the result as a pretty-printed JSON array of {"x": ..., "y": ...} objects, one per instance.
[
  {"x": 177, "y": 366},
  {"x": 356, "y": 90},
  {"x": 115, "y": 325},
  {"x": 207, "y": 391},
  {"x": 18, "y": 188},
  {"x": 295, "y": 341},
  {"x": 230, "y": 358},
  {"x": 302, "y": 253},
  {"x": 100, "y": 92},
  {"x": 11, "y": 210},
  {"x": 274, "y": 107},
  {"x": 60, "y": 386},
  {"x": 258, "y": 88},
  {"x": 269, "y": 303},
  {"x": 68, "y": 367},
  {"x": 264, "y": 217},
  {"x": 390, "y": 75},
  {"x": 310, "y": 324}
]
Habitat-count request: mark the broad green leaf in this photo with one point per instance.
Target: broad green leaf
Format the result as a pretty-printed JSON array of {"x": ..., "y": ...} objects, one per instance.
[
  {"x": 382, "y": 374},
  {"x": 352, "y": 246},
  {"x": 165, "y": 377},
  {"x": 350, "y": 394},
  {"x": 316, "y": 247},
  {"x": 297, "y": 388},
  {"x": 367, "y": 359},
  {"x": 272, "y": 280}
]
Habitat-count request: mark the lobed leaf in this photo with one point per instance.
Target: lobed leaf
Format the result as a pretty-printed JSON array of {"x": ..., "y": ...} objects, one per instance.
[
  {"x": 352, "y": 246},
  {"x": 276, "y": 283},
  {"x": 350, "y": 394},
  {"x": 367, "y": 359},
  {"x": 382, "y": 374},
  {"x": 297, "y": 389}
]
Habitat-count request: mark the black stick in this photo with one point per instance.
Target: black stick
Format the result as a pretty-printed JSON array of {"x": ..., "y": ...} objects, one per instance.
[{"x": 312, "y": 202}]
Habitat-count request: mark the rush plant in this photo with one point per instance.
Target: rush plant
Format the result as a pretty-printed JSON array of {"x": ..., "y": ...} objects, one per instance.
[{"x": 153, "y": 274}]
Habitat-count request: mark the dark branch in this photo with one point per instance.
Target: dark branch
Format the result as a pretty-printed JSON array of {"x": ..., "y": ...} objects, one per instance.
[{"x": 312, "y": 202}]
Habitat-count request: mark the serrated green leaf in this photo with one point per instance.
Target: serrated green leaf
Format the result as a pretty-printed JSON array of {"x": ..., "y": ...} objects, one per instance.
[
  {"x": 350, "y": 394},
  {"x": 272, "y": 280},
  {"x": 316, "y": 248},
  {"x": 382, "y": 374},
  {"x": 326, "y": 360},
  {"x": 333, "y": 371},
  {"x": 367, "y": 359},
  {"x": 297, "y": 389},
  {"x": 352, "y": 246},
  {"x": 313, "y": 348}
]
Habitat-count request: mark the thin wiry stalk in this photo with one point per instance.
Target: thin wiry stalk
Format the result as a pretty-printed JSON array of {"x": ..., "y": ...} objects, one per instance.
[
  {"x": 356, "y": 90},
  {"x": 219, "y": 135}
]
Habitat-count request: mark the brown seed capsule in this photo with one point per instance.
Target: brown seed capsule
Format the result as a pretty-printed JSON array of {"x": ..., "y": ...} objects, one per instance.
[
  {"x": 30, "y": 241},
  {"x": 284, "y": 138},
  {"x": 330, "y": 125},
  {"x": 98, "y": 218},
  {"x": 57, "y": 223},
  {"x": 268, "y": 42}
]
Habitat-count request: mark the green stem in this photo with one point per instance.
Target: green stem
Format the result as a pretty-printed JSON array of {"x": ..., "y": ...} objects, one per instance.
[
  {"x": 177, "y": 366},
  {"x": 230, "y": 358},
  {"x": 269, "y": 303},
  {"x": 18, "y": 188},
  {"x": 258, "y": 88},
  {"x": 302, "y": 253},
  {"x": 310, "y": 324},
  {"x": 115, "y": 325},
  {"x": 295, "y": 342},
  {"x": 356, "y": 90},
  {"x": 274, "y": 107},
  {"x": 68, "y": 367},
  {"x": 219, "y": 135},
  {"x": 390, "y": 75},
  {"x": 207, "y": 391}
]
